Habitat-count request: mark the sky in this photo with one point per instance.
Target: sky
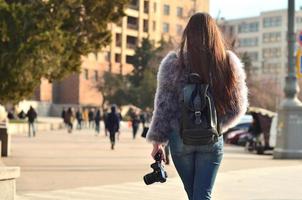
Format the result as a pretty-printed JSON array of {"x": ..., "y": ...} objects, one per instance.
[{"x": 232, "y": 9}]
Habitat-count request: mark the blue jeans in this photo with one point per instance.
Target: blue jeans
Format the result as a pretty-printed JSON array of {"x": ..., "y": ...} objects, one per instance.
[
  {"x": 31, "y": 128},
  {"x": 197, "y": 166}
]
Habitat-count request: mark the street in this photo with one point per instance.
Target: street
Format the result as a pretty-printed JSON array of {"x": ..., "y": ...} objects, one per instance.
[{"x": 69, "y": 163}]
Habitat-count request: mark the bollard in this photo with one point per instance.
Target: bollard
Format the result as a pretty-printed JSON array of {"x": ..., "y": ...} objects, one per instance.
[{"x": 5, "y": 142}]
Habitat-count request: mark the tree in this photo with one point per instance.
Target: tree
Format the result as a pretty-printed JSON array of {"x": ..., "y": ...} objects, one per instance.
[
  {"x": 138, "y": 88},
  {"x": 247, "y": 61},
  {"x": 143, "y": 55},
  {"x": 142, "y": 80},
  {"x": 46, "y": 39},
  {"x": 113, "y": 88}
]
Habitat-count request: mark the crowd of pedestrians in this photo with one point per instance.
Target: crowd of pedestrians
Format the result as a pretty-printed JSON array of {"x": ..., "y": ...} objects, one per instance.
[{"x": 90, "y": 118}]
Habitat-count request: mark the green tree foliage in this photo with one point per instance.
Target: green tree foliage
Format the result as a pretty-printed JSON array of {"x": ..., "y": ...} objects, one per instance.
[
  {"x": 113, "y": 88},
  {"x": 138, "y": 88},
  {"x": 46, "y": 39},
  {"x": 143, "y": 55}
]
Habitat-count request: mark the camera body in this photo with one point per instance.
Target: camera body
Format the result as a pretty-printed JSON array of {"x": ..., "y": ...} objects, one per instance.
[{"x": 158, "y": 174}]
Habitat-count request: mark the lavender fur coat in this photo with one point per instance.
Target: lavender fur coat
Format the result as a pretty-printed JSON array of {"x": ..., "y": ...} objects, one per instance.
[{"x": 168, "y": 97}]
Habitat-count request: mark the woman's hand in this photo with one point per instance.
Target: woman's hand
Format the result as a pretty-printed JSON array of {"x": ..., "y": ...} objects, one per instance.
[{"x": 159, "y": 148}]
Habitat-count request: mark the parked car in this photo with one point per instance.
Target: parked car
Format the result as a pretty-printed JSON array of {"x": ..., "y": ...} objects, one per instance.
[
  {"x": 244, "y": 124},
  {"x": 233, "y": 136}
]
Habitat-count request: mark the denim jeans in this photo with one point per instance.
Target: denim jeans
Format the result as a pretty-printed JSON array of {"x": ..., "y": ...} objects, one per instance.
[
  {"x": 197, "y": 166},
  {"x": 31, "y": 128}
]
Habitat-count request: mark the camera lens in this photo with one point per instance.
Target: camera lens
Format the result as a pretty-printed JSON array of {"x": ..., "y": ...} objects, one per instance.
[{"x": 150, "y": 178}]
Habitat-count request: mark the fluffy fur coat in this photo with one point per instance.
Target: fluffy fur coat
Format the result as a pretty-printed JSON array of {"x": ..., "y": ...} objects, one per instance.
[{"x": 168, "y": 97}]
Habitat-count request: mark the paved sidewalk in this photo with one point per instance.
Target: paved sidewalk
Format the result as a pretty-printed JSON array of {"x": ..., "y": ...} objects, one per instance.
[
  {"x": 275, "y": 183},
  {"x": 56, "y": 165}
]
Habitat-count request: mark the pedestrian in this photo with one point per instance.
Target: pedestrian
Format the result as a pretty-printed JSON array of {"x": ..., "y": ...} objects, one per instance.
[
  {"x": 79, "y": 117},
  {"x": 91, "y": 118},
  {"x": 203, "y": 61},
  {"x": 97, "y": 120},
  {"x": 142, "y": 118},
  {"x": 113, "y": 125},
  {"x": 135, "y": 124},
  {"x": 31, "y": 115},
  {"x": 63, "y": 113},
  {"x": 85, "y": 118},
  {"x": 69, "y": 117},
  {"x": 105, "y": 114}
]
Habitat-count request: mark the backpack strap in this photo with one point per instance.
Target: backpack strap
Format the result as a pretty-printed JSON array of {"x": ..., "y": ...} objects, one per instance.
[{"x": 211, "y": 90}]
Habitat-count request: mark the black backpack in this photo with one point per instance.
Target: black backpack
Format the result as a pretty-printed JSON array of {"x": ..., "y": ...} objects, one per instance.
[{"x": 199, "y": 123}]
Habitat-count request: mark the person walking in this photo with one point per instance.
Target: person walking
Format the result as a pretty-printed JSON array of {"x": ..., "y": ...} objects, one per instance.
[
  {"x": 97, "y": 120},
  {"x": 135, "y": 123},
  {"x": 69, "y": 117},
  {"x": 85, "y": 118},
  {"x": 91, "y": 118},
  {"x": 31, "y": 115},
  {"x": 203, "y": 67},
  {"x": 105, "y": 114},
  {"x": 79, "y": 117},
  {"x": 113, "y": 125},
  {"x": 63, "y": 113},
  {"x": 142, "y": 118}
]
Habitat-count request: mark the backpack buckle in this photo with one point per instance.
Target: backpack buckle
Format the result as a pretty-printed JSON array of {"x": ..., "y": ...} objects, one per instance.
[{"x": 197, "y": 117}]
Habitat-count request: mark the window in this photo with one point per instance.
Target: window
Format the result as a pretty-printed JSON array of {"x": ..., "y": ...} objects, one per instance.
[
  {"x": 107, "y": 56},
  {"x": 248, "y": 42},
  {"x": 132, "y": 23},
  {"x": 248, "y": 27},
  {"x": 117, "y": 58},
  {"x": 129, "y": 59},
  {"x": 272, "y": 68},
  {"x": 154, "y": 7},
  {"x": 166, "y": 9},
  {"x": 179, "y": 29},
  {"x": 179, "y": 12},
  {"x": 298, "y": 19},
  {"x": 166, "y": 27},
  {"x": 131, "y": 42},
  {"x": 134, "y": 4},
  {"x": 272, "y": 21},
  {"x": 271, "y": 37},
  {"x": 96, "y": 75},
  {"x": 145, "y": 26},
  {"x": 271, "y": 52},
  {"x": 154, "y": 25},
  {"x": 253, "y": 56},
  {"x": 146, "y": 7},
  {"x": 86, "y": 75},
  {"x": 118, "y": 40}
]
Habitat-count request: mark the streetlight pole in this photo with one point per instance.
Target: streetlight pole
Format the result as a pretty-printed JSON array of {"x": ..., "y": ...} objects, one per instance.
[{"x": 289, "y": 130}]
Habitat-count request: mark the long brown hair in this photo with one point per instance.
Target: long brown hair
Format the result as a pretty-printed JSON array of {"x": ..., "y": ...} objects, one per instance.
[{"x": 204, "y": 50}]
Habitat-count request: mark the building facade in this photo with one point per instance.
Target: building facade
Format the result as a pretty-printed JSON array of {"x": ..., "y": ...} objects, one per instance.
[
  {"x": 264, "y": 40},
  {"x": 153, "y": 19}
]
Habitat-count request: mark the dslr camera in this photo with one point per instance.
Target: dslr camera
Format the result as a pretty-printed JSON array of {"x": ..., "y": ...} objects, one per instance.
[{"x": 158, "y": 174}]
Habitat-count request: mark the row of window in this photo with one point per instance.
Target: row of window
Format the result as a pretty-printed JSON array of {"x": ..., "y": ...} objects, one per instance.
[
  {"x": 166, "y": 28},
  {"x": 269, "y": 37},
  {"x": 248, "y": 27},
  {"x": 254, "y": 26},
  {"x": 271, "y": 52},
  {"x": 166, "y": 11},
  {"x": 87, "y": 75},
  {"x": 272, "y": 68},
  {"x": 134, "y": 4},
  {"x": 132, "y": 23},
  {"x": 266, "y": 53},
  {"x": 248, "y": 42}
]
